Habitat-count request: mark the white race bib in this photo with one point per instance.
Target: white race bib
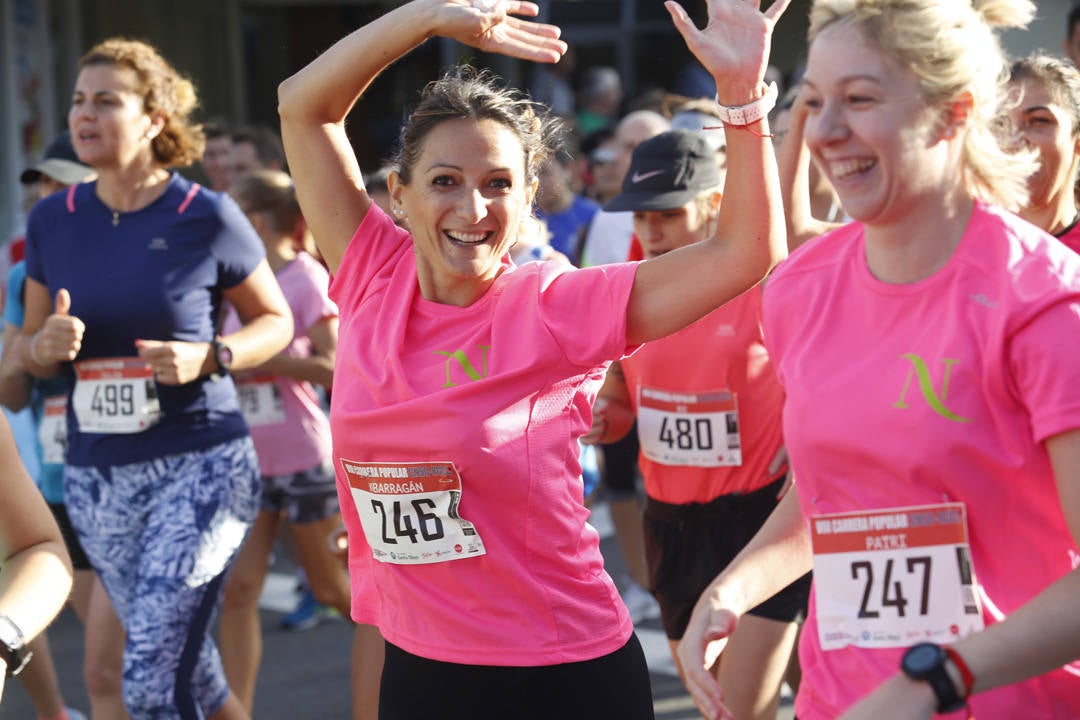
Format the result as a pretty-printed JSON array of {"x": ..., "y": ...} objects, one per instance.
[
  {"x": 52, "y": 431},
  {"x": 260, "y": 400},
  {"x": 688, "y": 428},
  {"x": 115, "y": 395},
  {"x": 410, "y": 512},
  {"x": 890, "y": 578}
]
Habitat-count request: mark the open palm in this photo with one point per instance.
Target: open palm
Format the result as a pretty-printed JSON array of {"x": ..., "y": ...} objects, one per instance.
[
  {"x": 495, "y": 30},
  {"x": 734, "y": 45}
]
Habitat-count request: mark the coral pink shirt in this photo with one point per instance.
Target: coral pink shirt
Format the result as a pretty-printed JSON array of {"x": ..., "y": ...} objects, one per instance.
[
  {"x": 502, "y": 389},
  {"x": 933, "y": 391},
  {"x": 721, "y": 354}
]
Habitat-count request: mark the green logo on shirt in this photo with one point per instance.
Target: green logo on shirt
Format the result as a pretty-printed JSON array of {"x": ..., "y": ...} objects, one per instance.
[
  {"x": 462, "y": 360},
  {"x": 933, "y": 398}
]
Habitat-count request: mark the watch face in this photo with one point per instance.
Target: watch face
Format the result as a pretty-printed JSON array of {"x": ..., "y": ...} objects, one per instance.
[
  {"x": 922, "y": 658},
  {"x": 224, "y": 356}
]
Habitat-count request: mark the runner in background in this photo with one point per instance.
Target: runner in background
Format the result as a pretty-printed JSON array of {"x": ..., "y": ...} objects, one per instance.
[
  {"x": 928, "y": 355},
  {"x": 125, "y": 280},
  {"x": 707, "y": 405},
  {"x": 1045, "y": 114},
  {"x": 291, "y": 434}
]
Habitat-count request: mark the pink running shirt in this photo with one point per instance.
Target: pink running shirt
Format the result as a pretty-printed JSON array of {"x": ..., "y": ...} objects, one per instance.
[
  {"x": 934, "y": 391},
  {"x": 1071, "y": 237},
  {"x": 502, "y": 389},
  {"x": 301, "y": 440},
  {"x": 724, "y": 351}
]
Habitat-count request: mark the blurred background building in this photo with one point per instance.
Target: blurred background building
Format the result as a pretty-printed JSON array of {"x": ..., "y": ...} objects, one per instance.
[{"x": 237, "y": 51}]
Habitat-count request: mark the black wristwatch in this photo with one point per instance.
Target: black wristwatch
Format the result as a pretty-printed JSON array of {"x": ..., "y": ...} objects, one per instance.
[
  {"x": 13, "y": 646},
  {"x": 224, "y": 358},
  {"x": 926, "y": 662}
]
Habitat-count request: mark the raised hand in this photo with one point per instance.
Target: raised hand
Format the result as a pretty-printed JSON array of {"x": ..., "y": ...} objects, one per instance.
[
  {"x": 734, "y": 46},
  {"x": 60, "y": 338},
  {"x": 488, "y": 25}
]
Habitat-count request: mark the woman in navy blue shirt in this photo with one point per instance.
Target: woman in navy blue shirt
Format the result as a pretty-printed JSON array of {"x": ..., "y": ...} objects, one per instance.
[{"x": 125, "y": 280}]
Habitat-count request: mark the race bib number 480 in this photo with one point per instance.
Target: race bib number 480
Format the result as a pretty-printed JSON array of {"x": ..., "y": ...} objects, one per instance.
[
  {"x": 689, "y": 428},
  {"x": 890, "y": 578},
  {"x": 115, "y": 395},
  {"x": 409, "y": 512}
]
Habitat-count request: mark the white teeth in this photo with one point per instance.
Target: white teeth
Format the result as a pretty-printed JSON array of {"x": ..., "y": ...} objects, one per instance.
[
  {"x": 843, "y": 168},
  {"x": 467, "y": 238}
]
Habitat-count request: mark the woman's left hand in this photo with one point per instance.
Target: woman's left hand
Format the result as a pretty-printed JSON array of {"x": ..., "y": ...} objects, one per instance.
[
  {"x": 488, "y": 25},
  {"x": 898, "y": 698},
  {"x": 174, "y": 362}
]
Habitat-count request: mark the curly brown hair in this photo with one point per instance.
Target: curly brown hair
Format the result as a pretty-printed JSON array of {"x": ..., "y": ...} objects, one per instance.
[{"x": 164, "y": 90}]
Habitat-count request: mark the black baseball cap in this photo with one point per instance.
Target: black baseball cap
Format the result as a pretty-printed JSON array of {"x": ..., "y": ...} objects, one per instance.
[
  {"x": 60, "y": 163},
  {"x": 667, "y": 171}
]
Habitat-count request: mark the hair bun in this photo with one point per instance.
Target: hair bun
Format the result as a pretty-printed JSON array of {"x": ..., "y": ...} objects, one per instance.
[{"x": 1006, "y": 13}]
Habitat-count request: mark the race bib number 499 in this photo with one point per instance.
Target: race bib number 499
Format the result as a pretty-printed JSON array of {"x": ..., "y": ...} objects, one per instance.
[
  {"x": 115, "y": 395},
  {"x": 890, "y": 578},
  {"x": 409, "y": 512}
]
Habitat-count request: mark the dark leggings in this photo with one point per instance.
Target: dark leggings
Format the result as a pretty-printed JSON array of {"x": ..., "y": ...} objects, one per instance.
[{"x": 613, "y": 686}]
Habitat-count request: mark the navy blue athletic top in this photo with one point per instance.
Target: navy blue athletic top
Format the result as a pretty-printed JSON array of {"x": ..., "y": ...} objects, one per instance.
[{"x": 155, "y": 274}]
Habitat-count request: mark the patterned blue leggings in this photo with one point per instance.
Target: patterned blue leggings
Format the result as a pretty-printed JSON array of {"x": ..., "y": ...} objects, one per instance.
[{"x": 161, "y": 535}]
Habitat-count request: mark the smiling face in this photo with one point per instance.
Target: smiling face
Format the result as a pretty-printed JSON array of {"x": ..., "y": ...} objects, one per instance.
[
  {"x": 109, "y": 127},
  {"x": 465, "y": 203},
  {"x": 661, "y": 231},
  {"x": 1045, "y": 125},
  {"x": 872, "y": 133}
]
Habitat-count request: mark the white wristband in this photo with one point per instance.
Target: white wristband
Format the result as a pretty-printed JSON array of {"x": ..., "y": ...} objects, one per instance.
[
  {"x": 751, "y": 112},
  {"x": 33, "y": 350}
]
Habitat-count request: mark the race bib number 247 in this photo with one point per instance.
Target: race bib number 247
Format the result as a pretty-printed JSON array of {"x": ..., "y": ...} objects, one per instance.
[{"x": 892, "y": 577}]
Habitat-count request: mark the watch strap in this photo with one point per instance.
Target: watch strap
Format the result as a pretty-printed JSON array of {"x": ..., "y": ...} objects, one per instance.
[
  {"x": 220, "y": 350},
  {"x": 751, "y": 112},
  {"x": 965, "y": 672},
  {"x": 14, "y": 651}
]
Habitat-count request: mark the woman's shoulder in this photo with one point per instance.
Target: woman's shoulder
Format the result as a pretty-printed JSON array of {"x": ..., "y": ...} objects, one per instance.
[
  {"x": 1008, "y": 247},
  {"x": 821, "y": 254},
  {"x": 185, "y": 195}
]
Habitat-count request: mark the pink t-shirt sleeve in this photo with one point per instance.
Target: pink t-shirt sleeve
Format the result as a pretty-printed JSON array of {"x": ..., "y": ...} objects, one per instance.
[
  {"x": 588, "y": 306},
  {"x": 370, "y": 257},
  {"x": 1042, "y": 357}
]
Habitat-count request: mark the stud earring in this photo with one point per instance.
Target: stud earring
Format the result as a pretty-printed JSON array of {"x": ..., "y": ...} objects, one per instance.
[
  {"x": 398, "y": 211},
  {"x": 950, "y": 133}
]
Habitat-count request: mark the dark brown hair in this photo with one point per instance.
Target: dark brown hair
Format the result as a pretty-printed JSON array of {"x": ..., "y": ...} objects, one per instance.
[{"x": 468, "y": 93}]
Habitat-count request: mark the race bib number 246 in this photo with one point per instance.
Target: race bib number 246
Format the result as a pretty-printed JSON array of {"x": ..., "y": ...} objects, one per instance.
[{"x": 409, "y": 511}]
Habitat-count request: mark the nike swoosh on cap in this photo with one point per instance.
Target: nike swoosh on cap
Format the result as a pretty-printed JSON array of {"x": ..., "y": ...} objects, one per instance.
[{"x": 639, "y": 176}]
